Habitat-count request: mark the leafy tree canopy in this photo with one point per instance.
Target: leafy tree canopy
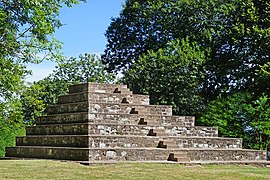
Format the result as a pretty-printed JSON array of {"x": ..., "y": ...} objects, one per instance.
[
  {"x": 26, "y": 35},
  {"x": 26, "y": 28},
  {"x": 11, "y": 123},
  {"x": 237, "y": 33},
  {"x": 240, "y": 115},
  {"x": 170, "y": 76}
]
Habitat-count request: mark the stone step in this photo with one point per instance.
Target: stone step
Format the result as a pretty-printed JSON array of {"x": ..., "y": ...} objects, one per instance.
[
  {"x": 104, "y": 98},
  {"x": 127, "y": 119},
  {"x": 127, "y": 141},
  {"x": 130, "y": 109},
  {"x": 170, "y": 142},
  {"x": 122, "y": 141},
  {"x": 200, "y": 142},
  {"x": 120, "y": 129},
  {"x": 178, "y": 157},
  {"x": 157, "y": 132},
  {"x": 167, "y": 144},
  {"x": 59, "y": 129},
  {"x": 81, "y": 117},
  {"x": 133, "y": 154},
  {"x": 93, "y": 141},
  {"x": 151, "y": 120},
  {"x": 67, "y": 108},
  {"x": 54, "y": 140},
  {"x": 109, "y": 108},
  {"x": 86, "y": 154},
  {"x": 128, "y": 154},
  {"x": 96, "y": 87},
  {"x": 60, "y": 153},
  {"x": 205, "y": 142},
  {"x": 143, "y": 130},
  {"x": 222, "y": 154}
]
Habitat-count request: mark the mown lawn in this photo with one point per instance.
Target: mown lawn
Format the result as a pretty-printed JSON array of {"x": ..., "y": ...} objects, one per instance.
[{"x": 45, "y": 169}]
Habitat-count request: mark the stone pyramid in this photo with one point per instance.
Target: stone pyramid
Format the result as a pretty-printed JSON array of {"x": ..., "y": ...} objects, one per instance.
[{"x": 108, "y": 123}]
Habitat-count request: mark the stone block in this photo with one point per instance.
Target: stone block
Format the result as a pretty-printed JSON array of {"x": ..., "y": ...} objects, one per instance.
[
  {"x": 100, "y": 88},
  {"x": 128, "y": 154},
  {"x": 223, "y": 154},
  {"x": 77, "y": 107},
  {"x": 140, "y": 130},
  {"x": 122, "y": 141},
  {"x": 207, "y": 142},
  {"x": 81, "y": 117},
  {"x": 64, "y": 153},
  {"x": 104, "y": 98},
  {"x": 112, "y": 108},
  {"x": 58, "y": 129},
  {"x": 54, "y": 140}
]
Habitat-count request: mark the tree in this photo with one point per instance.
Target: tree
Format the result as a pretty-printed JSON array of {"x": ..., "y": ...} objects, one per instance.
[
  {"x": 240, "y": 115},
  {"x": 11, "y": 76},
  {"x": 86, "y": 68},
  {"x": 26, "y": 35},
  {"x": 170, "y": 76},
  {"x": 11, "y": 123},
  {"x": 27, "y": 28},
  {"x": 259, "y": 116},
  {"x": 235, "y": 32}
]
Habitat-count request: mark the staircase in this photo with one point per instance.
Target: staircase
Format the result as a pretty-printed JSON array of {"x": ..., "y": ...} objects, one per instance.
[{"x": 108, "y": 123}]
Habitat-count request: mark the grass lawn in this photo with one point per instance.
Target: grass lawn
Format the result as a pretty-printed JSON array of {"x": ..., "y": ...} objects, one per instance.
[{"x": 46, "y": 169}]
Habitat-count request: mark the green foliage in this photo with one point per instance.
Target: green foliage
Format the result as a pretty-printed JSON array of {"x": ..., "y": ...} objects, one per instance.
[
  {"x": 237, "y": 34},
  {"x": 26, "y": 28},
  {"x": 26, "y": 35},
  {"x": 10, "y": 124},
  {"x": 241, "y": 116},
  {"x": 11, "y": 85},
  {"x": 259, "y": 116},
  {"x": 11, "y": 75},
  {"x": 86, "y": 68},
  {"x": 170, "y": 76},
  {"x": 32, "y": 103}
]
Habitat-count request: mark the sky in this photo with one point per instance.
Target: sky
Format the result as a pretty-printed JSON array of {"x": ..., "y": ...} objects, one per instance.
[{"x": 82, "y": 32}]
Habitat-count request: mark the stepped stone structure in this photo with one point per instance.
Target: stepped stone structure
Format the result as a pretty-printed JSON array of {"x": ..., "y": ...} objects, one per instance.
[{"x": 108, "y": 123}]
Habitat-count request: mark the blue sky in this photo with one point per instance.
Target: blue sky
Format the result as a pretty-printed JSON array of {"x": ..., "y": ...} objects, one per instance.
[{"x": 83, "y": 31}]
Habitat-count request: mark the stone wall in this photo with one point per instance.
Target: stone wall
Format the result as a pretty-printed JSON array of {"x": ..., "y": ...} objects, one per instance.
[
  {"x": 104, "y": 98},
  {"x": 106, "y": 122}
]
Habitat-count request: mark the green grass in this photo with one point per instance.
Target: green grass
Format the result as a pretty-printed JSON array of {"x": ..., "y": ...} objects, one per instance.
[{"x": 43, "y": 169}]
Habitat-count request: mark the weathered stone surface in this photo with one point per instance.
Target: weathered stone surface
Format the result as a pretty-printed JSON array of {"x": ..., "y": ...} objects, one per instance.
[
  {"x": 128, "y": 154},
  {"x": 134, "y": 119},
  {"x": 131, "y": 129},
  {"x": 207, "y": 142},
  {"x": 113, "y": 108},
  {"x": 100, "y": 88},
  {"x": 58, "y": 129},
  {"x": 119, "y": 141},
  {"x": 104, "y": 98},
  {"x": 195, "y": 131},
  {"x": 54, "y": 140},
  {"x": 66, "y": 153},
  {"x": 81, "y": 117},
  {"x": 67, "y": 108},
  {"x": 109, "y": 108},
  {"x": 223, "y": 154},
  {"x": 124, "y": 141}
]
